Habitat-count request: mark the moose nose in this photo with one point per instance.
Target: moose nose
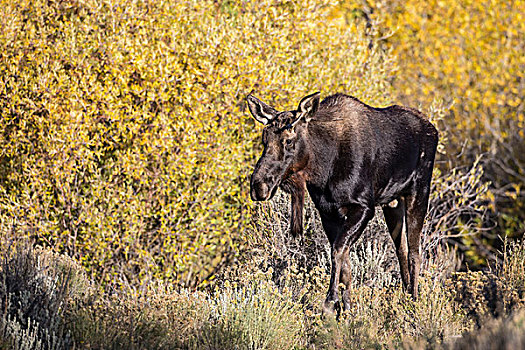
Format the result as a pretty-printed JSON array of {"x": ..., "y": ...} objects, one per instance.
[{"x": 260, "y": 191}]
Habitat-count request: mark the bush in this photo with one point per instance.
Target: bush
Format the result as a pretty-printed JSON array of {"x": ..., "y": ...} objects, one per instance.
[
  {"x": 53, "y": 306},
  {"x": 125, "y": 141},
  {"x": 155, "y": 318},
  {"x": 388, "y": 317},
  {"x": 502, "y": 333},
  {"x": 35, "y": 290},
  {"x": 470, "y": 55},
  {"x": 256, "y": 316},
  {"x": 513, "y": 265}
]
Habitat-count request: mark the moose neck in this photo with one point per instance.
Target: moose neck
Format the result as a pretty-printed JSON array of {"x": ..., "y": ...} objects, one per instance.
[
  {"x": 321, "y": 148},
  {"x": 307, "y": 171}
]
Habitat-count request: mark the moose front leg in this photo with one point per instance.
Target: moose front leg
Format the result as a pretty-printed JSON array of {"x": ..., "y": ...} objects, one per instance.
[
  {"x": 297, "y": 203},
  {"x": 353, "y": 225}
]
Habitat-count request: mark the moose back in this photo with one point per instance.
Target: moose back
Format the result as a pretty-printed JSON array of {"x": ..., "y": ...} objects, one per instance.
[{"x": 350, "y": 157}]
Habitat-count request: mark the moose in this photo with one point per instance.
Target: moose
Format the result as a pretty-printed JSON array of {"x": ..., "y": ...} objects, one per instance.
[{"x": 350, "y": 157}]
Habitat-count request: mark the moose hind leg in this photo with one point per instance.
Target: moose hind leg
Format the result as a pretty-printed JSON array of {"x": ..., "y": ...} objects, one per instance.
[
  {"x": 346, "y": 278},
  {"x": 415, "y": 216},
  {"x": 395, "y": 221}
]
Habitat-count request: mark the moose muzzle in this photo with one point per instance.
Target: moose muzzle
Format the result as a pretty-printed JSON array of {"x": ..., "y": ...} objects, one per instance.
[{"x": 259, "y": 191}]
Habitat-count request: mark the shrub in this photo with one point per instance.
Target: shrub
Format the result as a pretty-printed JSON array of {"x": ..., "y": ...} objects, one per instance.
[
  {"x": 251, "y": 311},
  {"x": 35, "y": 289},
  {"x": 125, "y": 141},
  {"x": 469, "y": 54},
  {"x": 457, "y": 214},
  {"x": 513, "y": 266},
  {"x": 156, "y": 317},
  {"x": 502, "y": 333},
  {"x": 389, "y": 318},
  {"x": 256, "y": 316}
]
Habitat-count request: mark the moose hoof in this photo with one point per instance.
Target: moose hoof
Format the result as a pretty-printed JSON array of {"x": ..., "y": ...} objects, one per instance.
[{"x": 329, "y": 307}]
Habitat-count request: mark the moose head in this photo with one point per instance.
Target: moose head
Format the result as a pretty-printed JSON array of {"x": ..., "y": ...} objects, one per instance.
[{"x": 284, "y": 143}]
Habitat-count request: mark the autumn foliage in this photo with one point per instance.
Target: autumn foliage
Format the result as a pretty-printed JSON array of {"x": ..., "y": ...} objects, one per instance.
[
  {"x": 126, "y": 150},
  {"x": 470, "y": 55},
  {"x": 124, "y": 136}
]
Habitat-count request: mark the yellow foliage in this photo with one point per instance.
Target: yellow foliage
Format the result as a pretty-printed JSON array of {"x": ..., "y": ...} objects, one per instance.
[
  {"x": 469, "y": 53},
  {"x": 124, "y": 139}
]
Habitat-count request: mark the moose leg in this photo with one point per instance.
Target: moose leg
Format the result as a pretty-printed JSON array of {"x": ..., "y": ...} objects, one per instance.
[
  {"x": 346, "y": 278},
  {"x": 416, "y": 210},
  {"x": 353, "y": 226},
  {"x": 332, "y": 227},
  {"x": 395, "y": 221},
  {"x": 332, "y": 298}
]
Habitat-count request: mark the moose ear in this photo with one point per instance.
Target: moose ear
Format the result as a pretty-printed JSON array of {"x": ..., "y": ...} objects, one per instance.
[
  {"x": 260, "y": 110},
  {"x": 308, "y": 106}
]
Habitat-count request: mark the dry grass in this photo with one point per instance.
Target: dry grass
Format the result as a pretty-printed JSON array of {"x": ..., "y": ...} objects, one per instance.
[{"x": 255, "y": 310}]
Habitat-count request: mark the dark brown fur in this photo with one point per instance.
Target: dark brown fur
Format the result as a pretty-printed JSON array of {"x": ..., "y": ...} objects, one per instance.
[{"x": 350, "y": 157}]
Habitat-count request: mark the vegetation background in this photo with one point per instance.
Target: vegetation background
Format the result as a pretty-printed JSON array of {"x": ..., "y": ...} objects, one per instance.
[{"x": 126, "y": 150}]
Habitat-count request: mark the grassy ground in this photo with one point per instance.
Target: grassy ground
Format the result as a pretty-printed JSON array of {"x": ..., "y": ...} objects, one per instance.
[{"x": 48, "y": 302}]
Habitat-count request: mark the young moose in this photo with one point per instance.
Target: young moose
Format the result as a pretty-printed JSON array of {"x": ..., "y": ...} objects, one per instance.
[{"x": 351, "y": 157}]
